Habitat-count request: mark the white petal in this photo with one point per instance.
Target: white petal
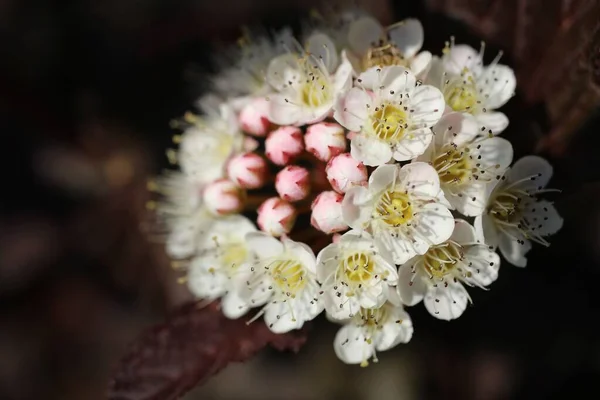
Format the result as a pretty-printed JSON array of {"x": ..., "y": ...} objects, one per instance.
[
  {"x": 284, "y": 112},
  {"x": 302, "y": 253},
  {"x": 486, "y": 230},
  {"x": 350, "y": 345},
  {"x": 420, "y": 180},
  {"x": 531, "y": 166},
  {"x": 543, "y": 218},
  {"x": 321, "y": 47},
  {"x": 413, "y": 144},
  {"x": 339, "y": 305},
  {"x": 181, "y": 242},
  {"x": 392, "y": 81},
  {"x": 326, "y": 263},
  {"x": 495, "y": 151},
  {"x": 401, "y": 248},
  {"x": 205, "y": 279},
  {"x": 369, "y": 150},
  {"x": 457, "y": 128},
  {"x": 421, "y": 64},
  {"x": 342, "y": 80},
  {"x": 398, "y": 329},
  {"x": 462, "y": 56},
  {"x": 483, "y": 264},
  {"x": 351, "y": 109},
  {"x": 463, "y": 232},
  {"x": 446, "y": 302},
  {"x": 382, "y": 178},
  {"x": 233, "y": 306},
  {"x": 434, "y": 226},
  {"x": 472, "y": 201},
  {"x": 356, "y": 207},
  {"x": 280, "y": 318},
  {"x": 498, "y": 84},
  {"x": 281, "y": 70},
  {"x": 265, "y": 246},
  {"x": 428, "y": 104},
  {"x": 411, "y": 285},
  {"x": 493, "y": 120},
  {"x": 407, "y": 35},
  {"x": 364, "y": 33},
  {"x": 513, "y": 251}
]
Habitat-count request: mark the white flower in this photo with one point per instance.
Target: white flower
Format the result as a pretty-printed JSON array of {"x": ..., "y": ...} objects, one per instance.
[
  {"x": 438, "y": 275},
  {"x": 281, "y": 275},
  {"x": 514, "y": 216},
  {"x": 354, "y": 274},
  {"x": 469, "y": 86},
  {"x": 392, "y": 122},
  {"x": 242, "y": 70},
  {"x": 401, "y": 209},
  {"x": 306, "y": 86},
  {"x": 467, "y": 160},
  {"x": 398, "y": 44},
  {"x": 372, "y": 330},
  {"x": 208, "y": 144},
  {"x": 221, "y": 251}
]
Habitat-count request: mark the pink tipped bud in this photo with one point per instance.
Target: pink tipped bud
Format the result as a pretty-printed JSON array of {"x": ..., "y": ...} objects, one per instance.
[
  {"x": 327, "y": 212},
  {"x": 250, "y": 144},
  {"x": 344, "y": 172},
  {"x": 284, "y": 144},
  {"x": 247, "y": 170},
  {"x": 293, "y": 183},
  {"x": 223, "y": 197},
  {"x": 253, "y": 117},
  {"x": 325, "y": 140},
  {"x": 276, "y": 216},
  {"x": 335, "y": 238}
]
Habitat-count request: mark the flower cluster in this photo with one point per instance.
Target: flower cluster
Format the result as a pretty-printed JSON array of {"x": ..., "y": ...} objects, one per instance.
[{"x": 391, "y": 153}]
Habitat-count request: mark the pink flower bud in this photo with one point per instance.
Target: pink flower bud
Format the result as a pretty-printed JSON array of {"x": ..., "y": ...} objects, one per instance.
[
  {"x": 344, "y": 172},
  {"x": 335, "y": 238},
  {"x": 223, "y": 197},
  {"x": 253, "y": 117},
  {"x": 276, "y": 216},
  {"x": 283, "y": 144},
  {"x": 293, "y": 183},
  {"x": 327, "y": 212},
  {"x": 325, "y": 140},
  {"x": 247, "y": 170},
  {"x": 250, "y": 144}
]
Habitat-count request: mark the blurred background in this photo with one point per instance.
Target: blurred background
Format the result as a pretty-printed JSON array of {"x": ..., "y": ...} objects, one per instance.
[{"x": 87, "y": 90}]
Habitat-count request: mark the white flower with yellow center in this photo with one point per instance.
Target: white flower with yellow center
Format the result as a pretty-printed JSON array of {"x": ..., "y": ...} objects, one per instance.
[
  {"x": 469, "y": 86},
  {"x": 392, "y": 121},
  {"x": 437, "y": 277},
  {"x": 281, "y": 276},
  {"x": 514, "y": 216},
  {"x": 307, "y": 86},
  {"x": 208, "y": 143},
  {"x": 221, "y": 252},
  {"x": 370, "y": 331},
  {"x": 353, "y": 273},
  {"x": 399, "y": 44},
  {"x": 401, "y": 208},
  {"x": 467, "y": 159}
]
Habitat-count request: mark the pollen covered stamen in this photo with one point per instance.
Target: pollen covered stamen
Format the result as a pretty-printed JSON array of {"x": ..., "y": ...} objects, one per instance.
[
  {"x": 394, "y": 208},
  {"x": 384, "y": 54},
  {"x": 357, "y": 267},
  {"x": 442, "y": 260},
  {"x": 389, "y": 123},
  {"x": 453, "y": 165},
  {"x": 461, "y": 92},
  {"x": 289, "y": 276}
]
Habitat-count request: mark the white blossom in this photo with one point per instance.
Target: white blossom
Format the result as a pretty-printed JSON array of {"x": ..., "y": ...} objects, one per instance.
[{"x": 438, "y": 276}]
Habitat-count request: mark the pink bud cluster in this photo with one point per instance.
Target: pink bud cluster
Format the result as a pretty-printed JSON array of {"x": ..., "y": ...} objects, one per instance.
[{"x": 319, "y": 188}]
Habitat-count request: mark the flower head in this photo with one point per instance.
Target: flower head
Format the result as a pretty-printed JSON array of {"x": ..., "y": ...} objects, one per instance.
[
  {"x": 354, "y": 274},
  {"x": 325, "y": 140},
  {"x": 515, "y": 216},
  {"x": 276, "y": 216},
  {"x": 401, "y": 208},
  {"x": 248, "y": 170},
  {"x": 284, "y": 144},
  {"x": 326, "y": 215},
  {"x": 223, "y": 197},
  {"x": 344, "y": 172},
  {"x": 293, "y": 183},
  {"x": 281, "y": 276},
  {"x": 392, "y": 121},
  {"x": 438, "y": 275},
  {"x": 466, "y": 160}
]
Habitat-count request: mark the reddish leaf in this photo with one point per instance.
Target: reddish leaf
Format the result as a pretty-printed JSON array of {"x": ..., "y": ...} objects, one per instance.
[{"x": 194, "y": 344}]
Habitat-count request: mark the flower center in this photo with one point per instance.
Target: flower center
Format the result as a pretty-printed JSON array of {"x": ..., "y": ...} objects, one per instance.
[
  {"x": 461, "y": 93},
  {"x": 233, "y": 255},
  {"x": 288, "y": 276},
  {"x": 389, "y": 123},
  {"x": 394, "y": 208},
  {"x": 315, "y": 91},
  {"x": 358, "y": 267},
  {"x": 453, "y": 165},
  {"x": 384, "y": 55},
  {"x": 441, "y": 260}
]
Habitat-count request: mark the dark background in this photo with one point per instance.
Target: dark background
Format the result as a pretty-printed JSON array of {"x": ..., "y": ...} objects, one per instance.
[{"x": 87, "y": 90}]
